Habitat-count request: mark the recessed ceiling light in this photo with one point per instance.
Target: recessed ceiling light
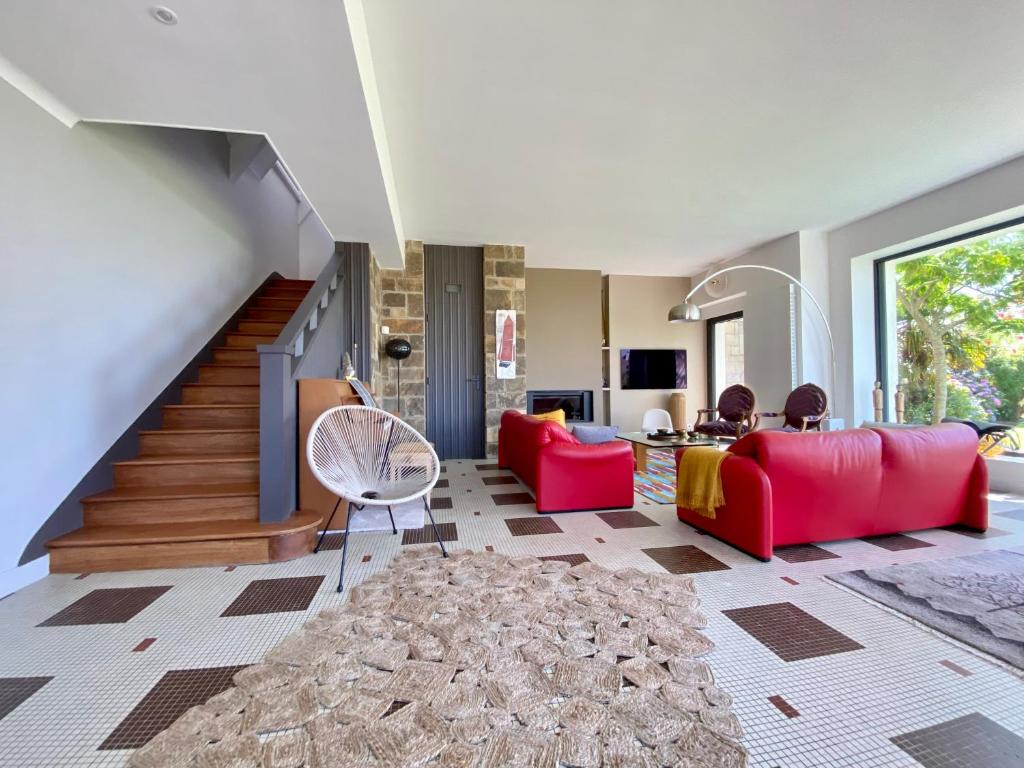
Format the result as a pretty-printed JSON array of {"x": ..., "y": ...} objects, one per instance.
[{"x": 164, "y": 15}]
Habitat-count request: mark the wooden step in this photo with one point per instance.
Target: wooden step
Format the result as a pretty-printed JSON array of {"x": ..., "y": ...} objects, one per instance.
[
  {"x": 211, "y": 416},
  {"x": 212, "y": 469},
  {"x": 287, "y": 282},
  {"x": 269, "y": 315},
  {"x": 173, "y": 545},
  {"x": 284, "y": 293},
  {"x": 248, "y": 340},
  {"x": 185, "y": 442},
  {"x": 263, "y": 302},
  {"x": 146, "y": 505},
  {"x": 220, "y": 394},
  {"x": 236, "y": 355},
  {"x": 229, "y": 373},
  {"x": 270, "y": 328}
]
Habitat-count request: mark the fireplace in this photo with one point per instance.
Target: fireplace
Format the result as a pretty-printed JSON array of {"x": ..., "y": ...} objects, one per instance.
[{"x": 578, "y": 404}]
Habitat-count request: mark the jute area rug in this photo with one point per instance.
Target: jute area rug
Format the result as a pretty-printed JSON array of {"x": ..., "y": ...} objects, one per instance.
[{"x": 476, "y": 660}]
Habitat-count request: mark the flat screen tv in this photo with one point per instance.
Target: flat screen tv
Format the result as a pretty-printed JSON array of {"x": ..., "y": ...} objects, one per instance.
[{"x": 653, "y": 368}]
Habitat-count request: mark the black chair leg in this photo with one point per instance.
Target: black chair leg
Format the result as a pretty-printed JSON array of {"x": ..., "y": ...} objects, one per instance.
[
  {"x": 434, "y": 526},
  {"x": 344, "y": 546},
  {"x": 327, "y": 527},
  {"x": 394, "y": 530}
]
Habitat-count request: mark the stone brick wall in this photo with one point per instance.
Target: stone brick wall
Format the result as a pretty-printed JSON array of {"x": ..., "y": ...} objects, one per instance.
[
  {"x": 401, "y": 308},
  {"x": 504, "y": 288}
]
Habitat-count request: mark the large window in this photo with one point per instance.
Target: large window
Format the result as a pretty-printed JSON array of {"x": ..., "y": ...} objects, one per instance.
[{"x": 951, "y": 328}]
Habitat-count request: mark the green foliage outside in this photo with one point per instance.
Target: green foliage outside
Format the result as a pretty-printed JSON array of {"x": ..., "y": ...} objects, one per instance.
[{"x": 960, "y": 322}]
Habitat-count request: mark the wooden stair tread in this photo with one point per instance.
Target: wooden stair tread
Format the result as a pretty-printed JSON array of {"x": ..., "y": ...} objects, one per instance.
[
  {"x": 219, "y": 384},
  {"x": 200, "y": 431},
  {"x": 194, "y": 491},
  {"x": 220, "y": 364},
  {"x": 195, "y": 458},
  {"x": 214, "y": 406},
  {"x": 165, "y": 533}
]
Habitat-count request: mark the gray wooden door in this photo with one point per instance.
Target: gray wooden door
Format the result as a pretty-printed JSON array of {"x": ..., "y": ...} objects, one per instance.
[{"x": 453, "y": 293}]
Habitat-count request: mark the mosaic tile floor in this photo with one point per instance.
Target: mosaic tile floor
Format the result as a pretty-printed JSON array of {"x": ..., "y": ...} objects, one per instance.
[{"x": 93, "y": 665}]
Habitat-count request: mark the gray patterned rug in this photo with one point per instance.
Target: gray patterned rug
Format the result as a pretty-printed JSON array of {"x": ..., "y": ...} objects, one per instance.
[
  {"x": 977, "y": 599},
  {"x": 481, "y": 660}
]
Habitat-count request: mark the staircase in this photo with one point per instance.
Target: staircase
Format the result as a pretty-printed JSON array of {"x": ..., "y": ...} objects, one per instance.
[{"x": 191, "y": 496}]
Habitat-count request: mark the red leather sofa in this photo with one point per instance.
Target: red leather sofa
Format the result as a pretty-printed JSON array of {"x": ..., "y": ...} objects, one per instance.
[
  {"x": 783, "y": 489},
  {"x": 564, "y": 474}
]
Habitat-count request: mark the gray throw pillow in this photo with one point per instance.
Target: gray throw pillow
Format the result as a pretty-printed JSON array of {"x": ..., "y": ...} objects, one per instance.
[{"x": 592, "y": 434}]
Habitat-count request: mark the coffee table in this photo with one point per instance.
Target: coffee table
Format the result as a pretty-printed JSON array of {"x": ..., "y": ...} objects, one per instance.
[{"x": 642, "y": 443}]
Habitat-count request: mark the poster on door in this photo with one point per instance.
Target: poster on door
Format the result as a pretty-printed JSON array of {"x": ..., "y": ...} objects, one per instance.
[{"x": 505, "y": 334}]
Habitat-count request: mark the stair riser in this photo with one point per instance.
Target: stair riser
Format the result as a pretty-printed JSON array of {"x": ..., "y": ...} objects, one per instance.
[
  {"x": 170, "y": 444},
  {"x": 164, "y": 555},
  {"x": 227, "y": 375},
  {"x": 215, "y": 418},
  {"x": 269, "y": 315},
  {"x": 294, "y": 294},
  {"x": 269, "y": 328},
  {"x": 289, "y": 305},
  {"x": 172, "y": 510},
  {"x": 235, "y": 355},
  {"x": 199, "y": 394},
  {"x": 197, "y": 473},
  {"x": 248, "y": 341}
]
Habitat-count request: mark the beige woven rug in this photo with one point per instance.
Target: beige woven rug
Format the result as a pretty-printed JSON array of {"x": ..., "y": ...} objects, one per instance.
[{"x": 476, "y": 660}]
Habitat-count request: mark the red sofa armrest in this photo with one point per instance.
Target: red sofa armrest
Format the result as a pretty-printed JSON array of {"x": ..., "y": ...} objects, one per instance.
[
  {"x": 975, "y": 514},
  {"x": 572, "y": 476},
  {"x": 745, "y": 521}
]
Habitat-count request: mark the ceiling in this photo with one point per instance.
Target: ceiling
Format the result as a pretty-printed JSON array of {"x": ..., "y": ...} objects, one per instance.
[
  {"x": 289, "y": 70},
  {"x": 659, "y": 136},
  {"x": 653, "y": 137}
]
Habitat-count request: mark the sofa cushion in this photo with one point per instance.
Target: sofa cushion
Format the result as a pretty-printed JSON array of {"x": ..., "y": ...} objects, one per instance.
[
  {"x": 557, "y": 416},
  {"x": 593, "y": 434}
]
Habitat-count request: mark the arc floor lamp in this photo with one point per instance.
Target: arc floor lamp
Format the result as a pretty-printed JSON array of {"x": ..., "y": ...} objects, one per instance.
[{"x": 688, "y": 312}]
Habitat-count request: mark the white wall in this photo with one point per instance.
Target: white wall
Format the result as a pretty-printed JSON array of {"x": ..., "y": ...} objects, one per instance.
[
  {"x": 316, "y": 246},
  {"x": 986, "y": 198},
  {"x": 124, "y": 249},
  {"x": 638, "y": 318}
]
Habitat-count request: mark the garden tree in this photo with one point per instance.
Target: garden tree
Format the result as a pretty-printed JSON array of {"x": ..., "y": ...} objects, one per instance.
[{"x": 956, "y": 298}]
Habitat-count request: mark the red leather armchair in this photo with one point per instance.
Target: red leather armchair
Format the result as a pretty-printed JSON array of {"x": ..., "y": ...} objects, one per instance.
[
  {"x": 783, "y": 489},
  {"x": 564, "y": 474}
]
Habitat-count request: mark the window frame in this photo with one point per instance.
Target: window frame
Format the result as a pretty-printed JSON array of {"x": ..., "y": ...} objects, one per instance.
[{"x": 709, "y": 357}]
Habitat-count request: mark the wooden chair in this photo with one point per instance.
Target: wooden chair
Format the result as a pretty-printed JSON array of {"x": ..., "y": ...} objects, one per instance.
[
  {"x": 806, "y": 407},
  {"x": 736, "y": 416}
]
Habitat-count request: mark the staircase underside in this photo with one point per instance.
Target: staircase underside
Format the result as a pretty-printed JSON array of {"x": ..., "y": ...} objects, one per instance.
[{"x": 191, "y": 496}]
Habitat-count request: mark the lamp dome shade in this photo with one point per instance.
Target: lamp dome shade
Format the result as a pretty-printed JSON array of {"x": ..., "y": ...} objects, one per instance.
[
  {"x": 684, "y": 313},
  {"x": 398, "y": 349}
]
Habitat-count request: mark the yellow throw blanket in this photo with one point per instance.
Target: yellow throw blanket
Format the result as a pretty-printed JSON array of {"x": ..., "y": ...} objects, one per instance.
[{"x": 699, "y": 482}]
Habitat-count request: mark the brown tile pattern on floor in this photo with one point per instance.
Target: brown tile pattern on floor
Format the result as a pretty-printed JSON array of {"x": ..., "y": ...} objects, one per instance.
[
  {"x": 486, "y": 467},
  {"x": 440, "y": 502},
  {"x": 16, "y": 690},
  {"x": 531, "y": 526},
  {"x": 425, "y": 535},
  {"x": 896, "y": 542},
  {"x": 442, "y": 483},
  {"x": 963, "y": 530},
  {"x": 106, "y": 606},
  {"x": 784, "y": 706},
  {"x": 505, "y": 499},
  {"x": 685, "y": 558},
  {"x": 956, "y": 668},
  {"x": 293, "y": 593},
  {"x": 176, "y": 692},
  {"x": 972, "y": 740},
  {"x": 627, "y": 518},
  {"x": 789, "y": 580},
  {"x": 790, "y": 632},
  {"x": 803, "y": 553},
  {"x": 332, "y": 541},
  {"x": 572, "y": 559},
  {"x": 366, "y": 558},
  {"x": 500, "y": 480},
  {"x": 599, "y": 540},
  {"x": 144, "y": 645}
]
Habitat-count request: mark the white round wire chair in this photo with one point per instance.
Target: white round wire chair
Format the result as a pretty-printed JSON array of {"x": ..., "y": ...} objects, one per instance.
[{"x": 368, "y": 457}]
